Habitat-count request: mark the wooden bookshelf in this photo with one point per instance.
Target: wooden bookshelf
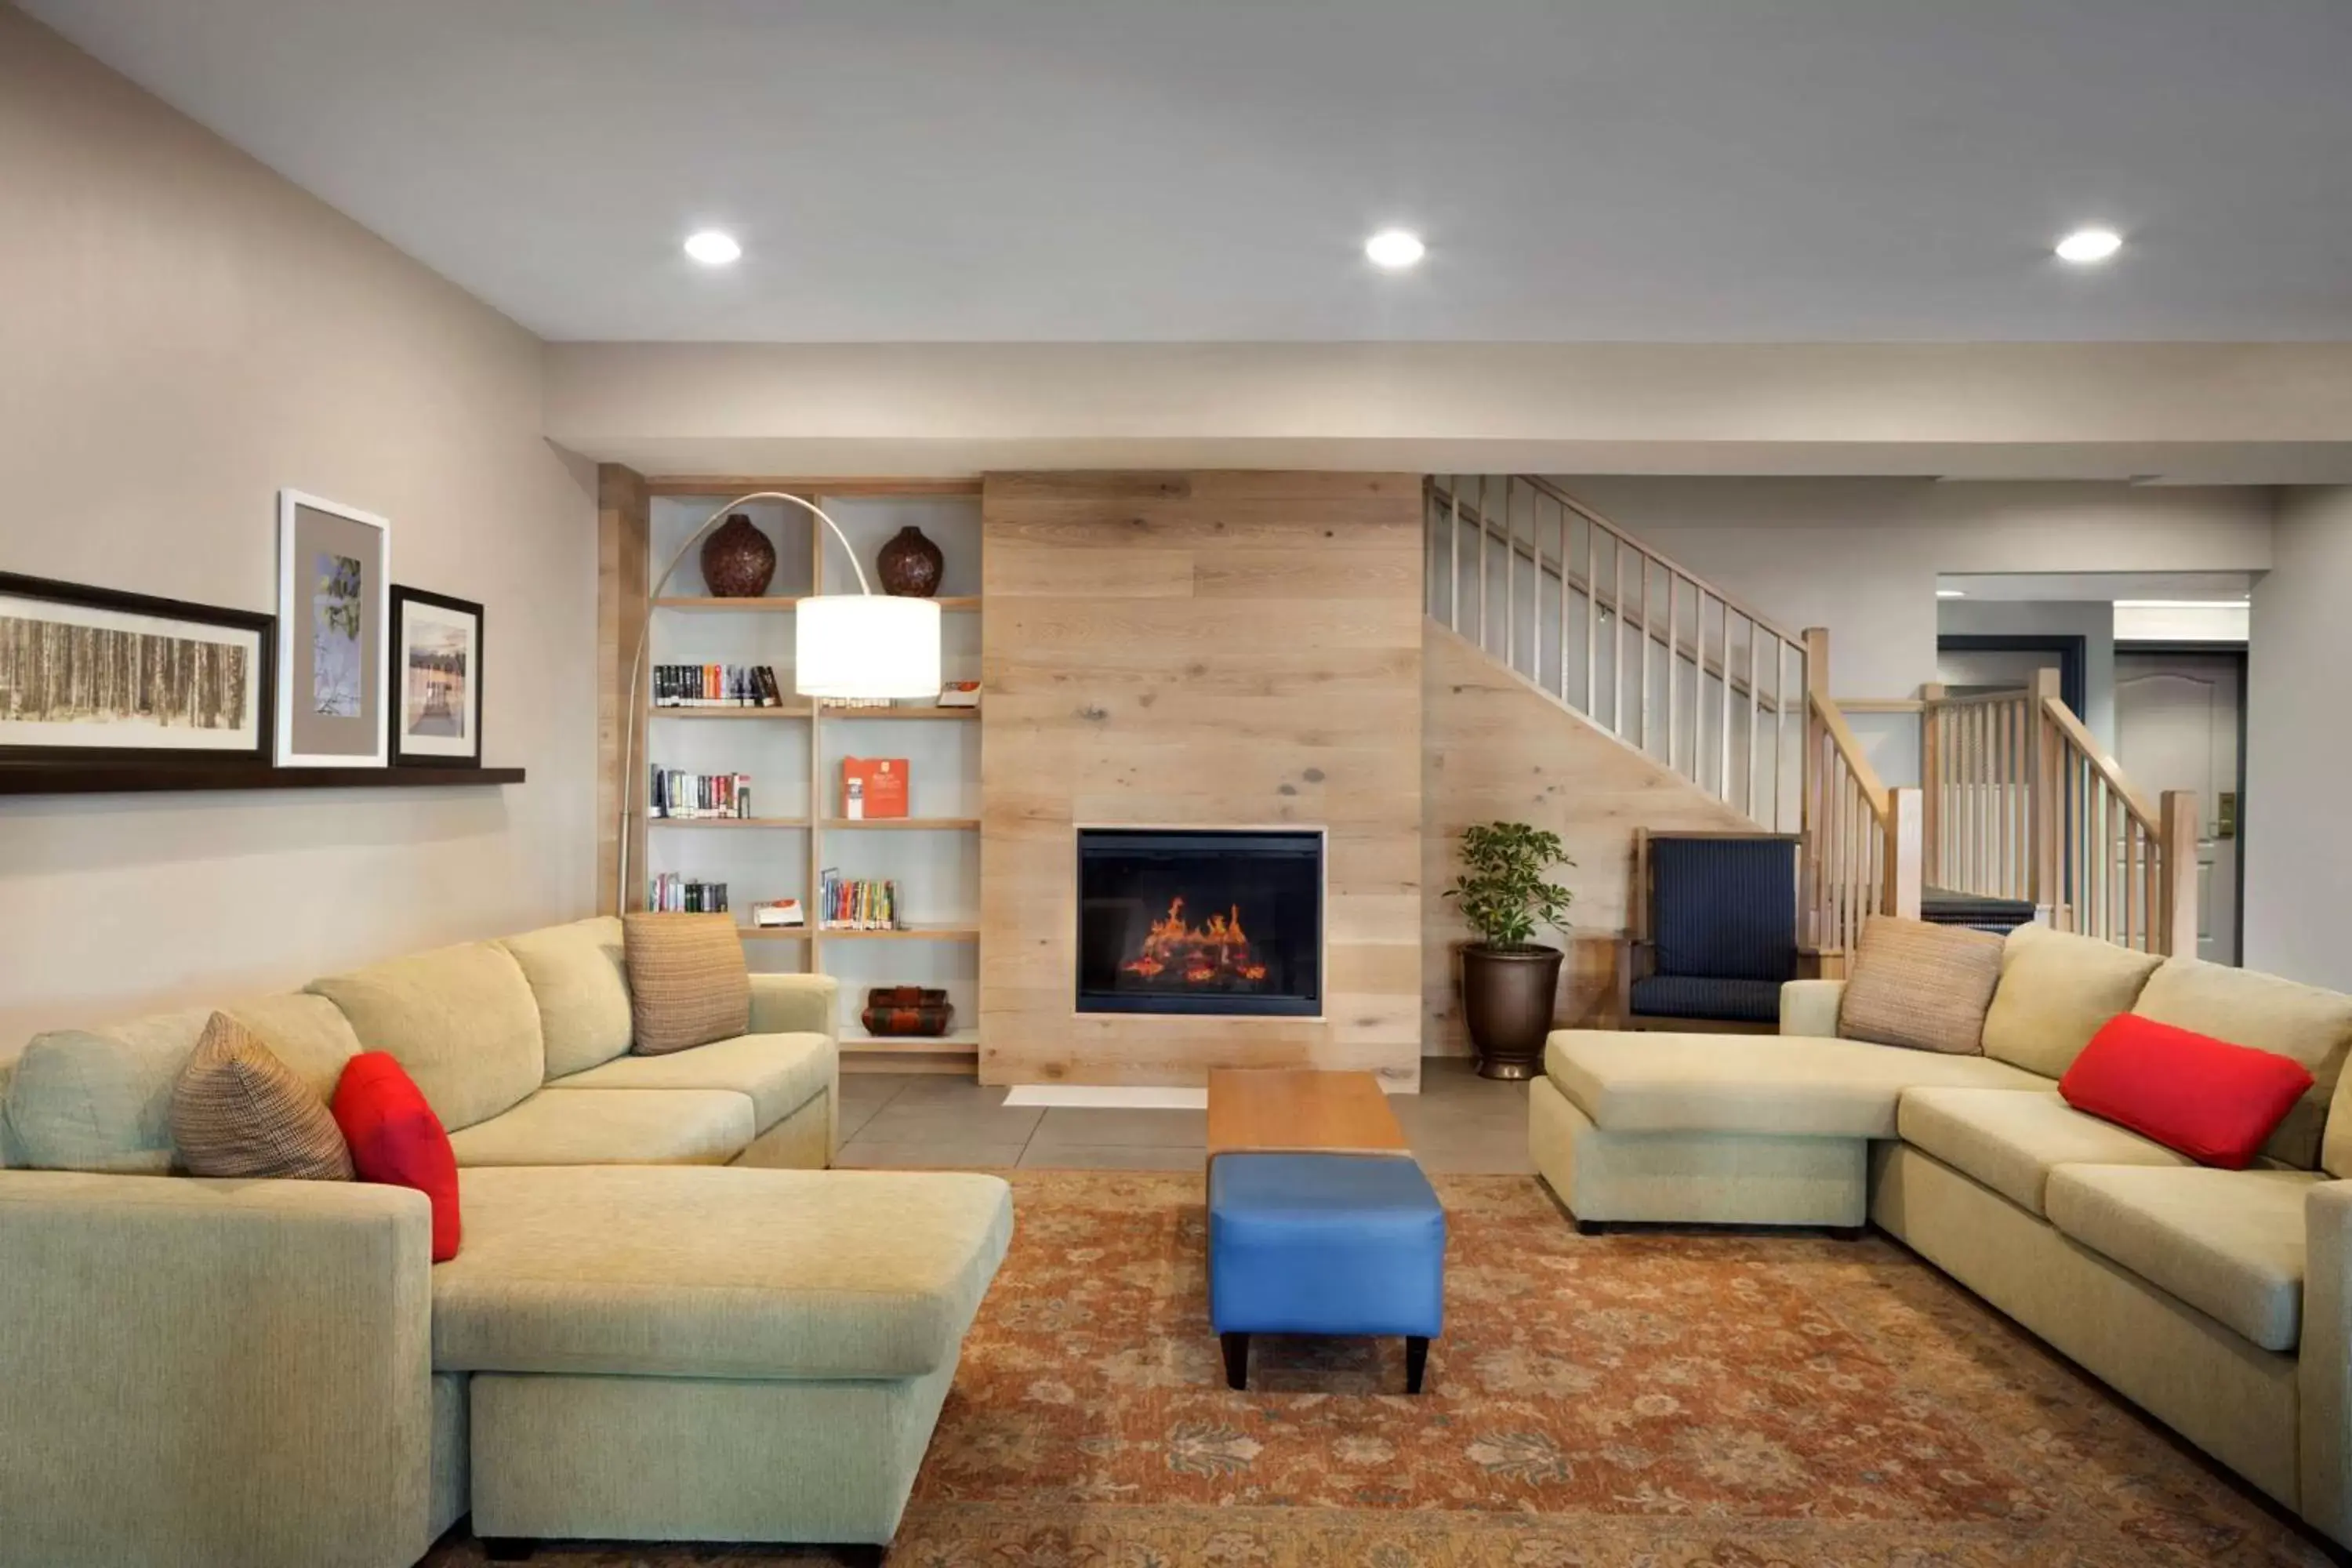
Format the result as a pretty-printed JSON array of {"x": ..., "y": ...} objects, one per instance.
[{"x": 932, "y": 857}]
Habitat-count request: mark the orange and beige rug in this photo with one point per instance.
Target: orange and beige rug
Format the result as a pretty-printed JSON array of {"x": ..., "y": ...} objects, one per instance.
[{"x": 1651, "y": 1399}]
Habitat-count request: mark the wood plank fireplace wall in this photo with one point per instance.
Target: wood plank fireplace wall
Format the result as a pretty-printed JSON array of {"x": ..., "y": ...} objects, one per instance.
[{"x": 1198, "y": 649}]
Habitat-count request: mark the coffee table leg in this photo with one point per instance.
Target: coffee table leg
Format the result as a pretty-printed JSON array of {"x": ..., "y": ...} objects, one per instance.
[
  {"x": 1236, "y": 1360},
  {"x": 1416, "y": 1361}
]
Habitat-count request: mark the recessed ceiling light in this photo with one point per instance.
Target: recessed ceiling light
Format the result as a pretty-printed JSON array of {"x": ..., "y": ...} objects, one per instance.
[
  {"x": 2085, "y": 246},
  {"x": 1951, "y": 593},
  {"x": 712, "y": 246},
  {"x": 1394, "y": 248}
]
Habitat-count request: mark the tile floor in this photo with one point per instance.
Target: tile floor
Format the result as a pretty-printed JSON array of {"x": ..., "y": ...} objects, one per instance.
[{"x": 1459, "y": 1123}]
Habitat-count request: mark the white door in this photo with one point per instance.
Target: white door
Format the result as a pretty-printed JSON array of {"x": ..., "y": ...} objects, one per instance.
[{"x": 2177, "y": 728}]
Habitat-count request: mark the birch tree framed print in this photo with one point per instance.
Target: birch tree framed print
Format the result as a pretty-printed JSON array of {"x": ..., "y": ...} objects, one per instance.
[
  {"x": 334, "y": 583},
  {"x": 94, "y": 675},
  {"x": 436, "y": 708}
]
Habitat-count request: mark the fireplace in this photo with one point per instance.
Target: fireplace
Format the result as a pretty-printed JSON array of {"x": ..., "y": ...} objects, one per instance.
[{"x": 1221, "y": 921}]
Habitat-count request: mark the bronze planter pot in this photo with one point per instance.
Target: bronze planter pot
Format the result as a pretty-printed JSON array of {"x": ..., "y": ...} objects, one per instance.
[{"x": 1506, "y": 1002}]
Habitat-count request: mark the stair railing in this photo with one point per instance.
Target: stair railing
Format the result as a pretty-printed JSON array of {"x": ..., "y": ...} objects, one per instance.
[
  {"x": 1645, "y": 649},
  {"x": 2023, "y": 802},
  {"x": 1863, "y": 843}
]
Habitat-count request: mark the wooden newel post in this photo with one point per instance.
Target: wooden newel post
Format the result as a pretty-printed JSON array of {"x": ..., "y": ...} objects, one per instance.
[
  {"x": 2178, "y": 812},
  {"x": 2046, "y": 801},
  {"x": 1906, "y": 844},
  {"x": 1809, "y": 791}
]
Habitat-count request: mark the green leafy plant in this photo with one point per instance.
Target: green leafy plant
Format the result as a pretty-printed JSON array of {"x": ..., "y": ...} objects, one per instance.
[{"x": 1502, "y": 889}]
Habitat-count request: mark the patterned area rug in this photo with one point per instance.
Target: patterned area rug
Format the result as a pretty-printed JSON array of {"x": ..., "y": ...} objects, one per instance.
[{"x": 1659, "y": 1400}]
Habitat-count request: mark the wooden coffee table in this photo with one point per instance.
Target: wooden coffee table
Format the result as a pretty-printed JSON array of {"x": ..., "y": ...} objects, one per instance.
[{"x": 1286, "y": 1110}]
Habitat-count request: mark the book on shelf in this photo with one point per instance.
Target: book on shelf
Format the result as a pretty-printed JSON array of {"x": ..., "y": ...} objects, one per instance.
[
  {"x": 960, "y": 694},
  {"x": 670, "y": 893},
  {"x": 717, "y": 686},
  {"x": 779, "y": 914},
  {"x": 853, "y": 903},
  {"x": 873, "y": 788},
  {"x": 678, "y": 795}
]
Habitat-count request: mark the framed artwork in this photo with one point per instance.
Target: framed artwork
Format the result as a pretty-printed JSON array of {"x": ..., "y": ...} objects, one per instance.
[
  {"x": 334, "y": 585},
  {"x": 92, "y": 675},
  {"x": 436, "y": 710}
]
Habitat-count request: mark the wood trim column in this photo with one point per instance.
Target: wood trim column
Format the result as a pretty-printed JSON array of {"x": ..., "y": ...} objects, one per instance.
[{"x": 623, "y": 535}]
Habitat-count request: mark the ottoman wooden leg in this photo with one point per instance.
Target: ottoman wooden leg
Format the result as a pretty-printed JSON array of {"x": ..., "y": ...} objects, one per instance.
[
  {"x": 1236, "y": 1360},
  {"x": 1416, "y": 1362}
]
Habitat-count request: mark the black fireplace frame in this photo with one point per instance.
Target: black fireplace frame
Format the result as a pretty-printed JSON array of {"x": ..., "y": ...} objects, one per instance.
[{"x": 1100, "y": 1003}]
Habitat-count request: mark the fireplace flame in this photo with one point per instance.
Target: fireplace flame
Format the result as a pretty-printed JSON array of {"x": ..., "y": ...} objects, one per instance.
[{"x": 1208, "y": 954}]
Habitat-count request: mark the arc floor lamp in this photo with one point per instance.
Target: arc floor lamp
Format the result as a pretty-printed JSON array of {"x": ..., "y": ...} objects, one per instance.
[{"x": 858, "y": 646}]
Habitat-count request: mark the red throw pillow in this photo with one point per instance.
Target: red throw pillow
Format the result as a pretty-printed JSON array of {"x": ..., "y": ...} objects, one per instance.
[
  {"x": 2205, "y": 1098},
  {"x": 395, "y": 1139}
]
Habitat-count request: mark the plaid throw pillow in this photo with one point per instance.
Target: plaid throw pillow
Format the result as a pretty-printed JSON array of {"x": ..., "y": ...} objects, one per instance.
[
  {"x": 1922, "y": 988},
  {"x": 237, "y": 1111},
  {"x": 688, "y": 984}
]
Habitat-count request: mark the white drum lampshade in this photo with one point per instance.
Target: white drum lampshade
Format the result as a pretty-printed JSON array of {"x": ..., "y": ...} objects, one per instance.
[{"x": 866, "y": 646}]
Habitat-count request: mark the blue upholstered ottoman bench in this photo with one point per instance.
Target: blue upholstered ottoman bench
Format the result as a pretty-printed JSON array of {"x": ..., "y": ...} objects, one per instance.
[{"x": 1323, "y": 1244}]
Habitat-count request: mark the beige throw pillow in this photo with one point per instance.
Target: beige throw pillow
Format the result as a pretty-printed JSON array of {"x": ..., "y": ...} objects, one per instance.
[
  {"x": 1922, "y": 988},
  {"x": 237, "y": 1111},
  {"x": 688, "y": 984}
]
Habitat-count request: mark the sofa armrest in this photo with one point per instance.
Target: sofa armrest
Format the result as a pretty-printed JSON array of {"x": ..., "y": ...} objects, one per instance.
[
  {"x": 1811, "y": 1008},
  {"x": 795, "y": 1005},
  {"x": 2323, "y": 1364},
  {"x": 214, "y": 1372}
]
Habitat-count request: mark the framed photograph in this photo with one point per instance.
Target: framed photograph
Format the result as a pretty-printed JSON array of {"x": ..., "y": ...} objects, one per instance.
[
  {"x": 90, "y": 674},
  {"x": 436, "y": 710},
  {"x": 334, "y": 615}
]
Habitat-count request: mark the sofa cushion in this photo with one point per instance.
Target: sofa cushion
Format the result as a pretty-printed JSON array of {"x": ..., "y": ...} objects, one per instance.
[
  {"x": 579, "y": 979},
  {"x": 1685, "y": 997},
  {"x": 1724, "y": 909},
  {"x": 2214, "y": 1101},
  {"x": 2312, "y": 1025},
  {"x": 2012, "y": 1139},
  {"x": 719, "y": 1274},
  {"x": 2229, "y": 1243},
  {"x": 1791, "y": 1084},
  {"x": 238, "y": 1111},
  {"x": 1922, "y": 988},
  {"x": 395, "y": 1139},
  {"x": 613, "y": 1126},
  {"x": 689, "y": 983},
  {"x": 100, "y": 1099},
  {"x": 780, "y": 1072},
  {"x": 2056, "y": 989},
  {"x": 462, "y": 1020}
]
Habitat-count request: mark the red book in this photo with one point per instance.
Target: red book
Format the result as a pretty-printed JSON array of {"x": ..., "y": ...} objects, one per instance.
[{"x": 873, "y": 788}]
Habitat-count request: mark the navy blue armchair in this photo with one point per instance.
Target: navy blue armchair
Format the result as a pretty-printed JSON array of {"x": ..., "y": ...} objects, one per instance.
[{"x": 1713, "y": 933}]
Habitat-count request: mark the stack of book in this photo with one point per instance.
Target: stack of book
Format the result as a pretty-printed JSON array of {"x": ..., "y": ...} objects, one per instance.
[
  {"x": 690, "y": 795},
  {"x": 851, "y": 904},
  {"x": 717, "y": 686},
  {"x": 673, "y": 894}
]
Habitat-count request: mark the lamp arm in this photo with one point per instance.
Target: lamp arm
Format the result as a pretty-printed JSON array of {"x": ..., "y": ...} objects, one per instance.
[{"x": 631, "y": 702}]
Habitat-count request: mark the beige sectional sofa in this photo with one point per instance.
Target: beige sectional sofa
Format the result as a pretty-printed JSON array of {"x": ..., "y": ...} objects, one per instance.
[
  {"x": 631, "y": 1342},
  {"x": 2217, "y": 1300}
]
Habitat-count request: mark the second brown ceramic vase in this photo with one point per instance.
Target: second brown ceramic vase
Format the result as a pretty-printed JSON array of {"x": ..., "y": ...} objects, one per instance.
[
  {"x": 737, "y": 561},
  {"x": 910, "y": 564}
]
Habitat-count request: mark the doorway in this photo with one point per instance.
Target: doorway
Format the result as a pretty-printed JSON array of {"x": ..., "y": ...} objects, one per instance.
[
  {"x": 2181, "y": 722},
  {"x": 1972, "y": 665}
]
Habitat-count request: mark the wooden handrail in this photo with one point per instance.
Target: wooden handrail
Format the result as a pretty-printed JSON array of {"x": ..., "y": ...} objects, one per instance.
[
  {"x": 1841, "y": 733},
  {"x": 1545, "y": 487},
  {"x": 2080, "y": 739}
]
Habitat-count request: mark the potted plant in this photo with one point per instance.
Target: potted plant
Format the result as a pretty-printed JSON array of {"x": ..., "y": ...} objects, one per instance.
[{"x": 1508, "y": 980}]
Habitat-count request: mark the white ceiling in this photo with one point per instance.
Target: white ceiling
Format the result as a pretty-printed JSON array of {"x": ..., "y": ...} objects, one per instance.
[{"x": 1143, "y": 170}]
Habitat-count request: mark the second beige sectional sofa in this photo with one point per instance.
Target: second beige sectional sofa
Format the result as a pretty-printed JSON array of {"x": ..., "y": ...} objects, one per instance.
[{"x": 2220, "y": 1301}]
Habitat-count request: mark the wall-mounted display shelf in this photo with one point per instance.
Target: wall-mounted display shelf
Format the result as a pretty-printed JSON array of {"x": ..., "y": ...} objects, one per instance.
[
  {"x": 145, "y": 778},
  {"x": 794, "y": 768}
]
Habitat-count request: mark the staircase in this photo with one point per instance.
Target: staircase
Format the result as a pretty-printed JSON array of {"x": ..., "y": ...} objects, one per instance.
[{"x": 2017, "y": 801}]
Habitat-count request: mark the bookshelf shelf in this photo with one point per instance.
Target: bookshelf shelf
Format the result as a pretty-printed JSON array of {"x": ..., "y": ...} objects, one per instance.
[
  {"x": 782, "y": 604},
  {"x": 773, "y": 933},
  {"x": 959, "y": 1042},
  {"x": 799, "y": 822},
  {"x": 736, "y": 713},
  {"x": 902, "y": 823},
  {"x": 952, "y": 715},
  {"x": 917, "y": 932}
]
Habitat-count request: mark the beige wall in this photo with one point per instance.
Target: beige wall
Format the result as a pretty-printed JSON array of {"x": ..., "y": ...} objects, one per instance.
[
  {"x": 2298, "y": 842},
  {"x": 182, "y": 333}
]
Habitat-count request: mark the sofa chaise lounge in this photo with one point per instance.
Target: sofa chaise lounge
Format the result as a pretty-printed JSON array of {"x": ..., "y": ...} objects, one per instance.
[
  {"x": 632, "y": 1341},
  {"x": 2220, "y": 1301}
]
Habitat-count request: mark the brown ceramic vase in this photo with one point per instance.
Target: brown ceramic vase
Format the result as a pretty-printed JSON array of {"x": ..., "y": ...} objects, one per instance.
[
  {"x": 910, "y": 564},
  {"x": 1506, "y": 1002},
  {"x": 737, "y": 561}
]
